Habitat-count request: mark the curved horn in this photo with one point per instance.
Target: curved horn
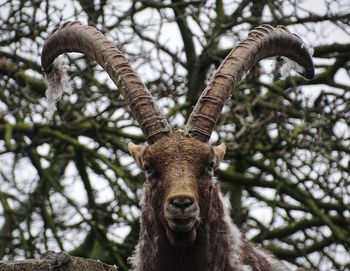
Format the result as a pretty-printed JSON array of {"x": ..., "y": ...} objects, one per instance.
[
  {"x": 74, "y": 37},
  {"x": 262, "y": 42}
]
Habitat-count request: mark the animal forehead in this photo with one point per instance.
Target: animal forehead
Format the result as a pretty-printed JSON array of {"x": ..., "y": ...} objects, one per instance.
[{"x": 178, "y": 147}]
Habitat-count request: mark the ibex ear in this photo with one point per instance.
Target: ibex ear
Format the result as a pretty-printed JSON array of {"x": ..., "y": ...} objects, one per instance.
[
  {"x": 136, "y": 152},
  {"x": 219, "y": 153}
]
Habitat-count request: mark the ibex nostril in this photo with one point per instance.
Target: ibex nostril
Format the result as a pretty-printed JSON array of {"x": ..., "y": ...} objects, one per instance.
[{"x": 182, "y": 202}]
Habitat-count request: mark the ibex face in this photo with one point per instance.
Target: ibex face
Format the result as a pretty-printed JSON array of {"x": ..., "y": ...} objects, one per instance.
[{"x": 179, "y": 176}]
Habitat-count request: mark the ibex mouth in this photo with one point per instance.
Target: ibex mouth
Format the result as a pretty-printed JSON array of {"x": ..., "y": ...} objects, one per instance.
[
  {"x": 181, "y": 232},
  {"x": 181, "y": 228},
  {"x": 182, "y": 224}
]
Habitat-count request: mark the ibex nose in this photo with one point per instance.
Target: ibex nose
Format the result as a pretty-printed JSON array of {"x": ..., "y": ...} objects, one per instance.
[{"x": 182, "y": 202}]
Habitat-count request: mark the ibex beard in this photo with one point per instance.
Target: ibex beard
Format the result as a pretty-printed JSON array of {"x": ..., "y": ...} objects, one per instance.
[{"x": 179, "y": 181}]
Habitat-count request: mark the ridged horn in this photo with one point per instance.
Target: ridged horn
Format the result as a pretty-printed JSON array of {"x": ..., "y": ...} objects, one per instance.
[
  {"x": 262, "y": 42},
  {"x": 75, "y": 37}
]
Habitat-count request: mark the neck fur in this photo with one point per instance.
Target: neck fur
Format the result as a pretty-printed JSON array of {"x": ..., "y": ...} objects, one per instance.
[
  {"x": 219, "y": 246},
  {"x": 217, "y": 239}
]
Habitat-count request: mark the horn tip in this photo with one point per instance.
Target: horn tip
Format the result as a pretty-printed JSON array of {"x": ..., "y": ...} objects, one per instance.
[{"x": 309, "y": 73}]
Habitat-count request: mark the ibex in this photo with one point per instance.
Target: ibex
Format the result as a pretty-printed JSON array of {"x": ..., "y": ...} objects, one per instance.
[{"x": 184, "y": 223}]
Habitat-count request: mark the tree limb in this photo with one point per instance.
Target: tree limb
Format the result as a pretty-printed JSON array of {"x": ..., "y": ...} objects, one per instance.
[{"x": 56, "y": 262}]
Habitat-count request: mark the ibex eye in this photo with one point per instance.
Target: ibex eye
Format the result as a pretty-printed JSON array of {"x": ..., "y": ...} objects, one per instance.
[
  {"x": 211, "y": 166},
  {"x": 147, "y": 169}
]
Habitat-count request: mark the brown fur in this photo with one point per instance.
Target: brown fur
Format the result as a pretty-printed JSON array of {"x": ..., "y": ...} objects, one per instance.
[{"x": 179, "y": 165}]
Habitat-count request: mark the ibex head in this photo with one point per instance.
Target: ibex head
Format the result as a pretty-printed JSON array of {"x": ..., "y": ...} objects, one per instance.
[
  {"x": 179, "y": 166},
  {"x": 179, "y": 182}
]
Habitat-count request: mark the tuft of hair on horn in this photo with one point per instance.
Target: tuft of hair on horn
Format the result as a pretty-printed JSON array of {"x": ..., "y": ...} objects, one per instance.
[{"x": 57, "y": 83}]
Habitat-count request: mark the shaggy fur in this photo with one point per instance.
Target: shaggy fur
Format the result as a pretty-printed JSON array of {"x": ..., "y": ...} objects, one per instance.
[
  {"x": 218, "y": 246},
  {"x": 57, "y": 84}
]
